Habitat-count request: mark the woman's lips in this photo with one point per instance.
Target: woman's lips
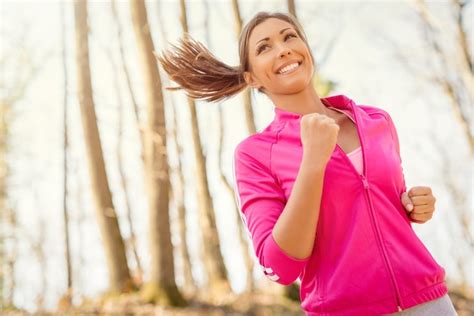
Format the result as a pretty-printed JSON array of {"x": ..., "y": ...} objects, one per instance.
[{"x": 290, "y": 71}]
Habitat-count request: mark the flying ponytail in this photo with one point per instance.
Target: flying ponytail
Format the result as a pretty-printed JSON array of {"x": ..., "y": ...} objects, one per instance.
[{"x": 196, "y": 70}]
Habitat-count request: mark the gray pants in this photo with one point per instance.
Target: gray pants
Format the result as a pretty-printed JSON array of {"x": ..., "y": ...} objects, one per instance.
[{"x": 439, "y": 307}]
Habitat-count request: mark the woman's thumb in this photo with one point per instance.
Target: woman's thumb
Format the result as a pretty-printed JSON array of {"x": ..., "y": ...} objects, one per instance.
[{"x": 406, "y": 201}]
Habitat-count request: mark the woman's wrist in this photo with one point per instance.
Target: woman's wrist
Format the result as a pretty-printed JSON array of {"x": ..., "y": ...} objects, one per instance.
[{"x": 310, "y": 164}]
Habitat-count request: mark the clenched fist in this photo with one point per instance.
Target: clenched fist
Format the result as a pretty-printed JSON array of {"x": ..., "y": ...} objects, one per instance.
[
  {"x": 318, "y": 136},
  {"x": 419, "y": 203}
]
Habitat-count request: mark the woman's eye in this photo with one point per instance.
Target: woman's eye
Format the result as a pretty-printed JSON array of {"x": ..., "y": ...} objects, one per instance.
[
  {"x": 261, "y": 48},
  {"x": 265, "y": 45}
]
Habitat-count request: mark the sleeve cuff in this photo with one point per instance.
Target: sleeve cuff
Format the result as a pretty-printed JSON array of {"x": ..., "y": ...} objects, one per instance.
[{"x": 284, "y": 269}]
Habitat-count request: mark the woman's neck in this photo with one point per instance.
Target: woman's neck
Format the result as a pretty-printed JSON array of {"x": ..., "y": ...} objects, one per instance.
[{"x": 304, "y": 102}]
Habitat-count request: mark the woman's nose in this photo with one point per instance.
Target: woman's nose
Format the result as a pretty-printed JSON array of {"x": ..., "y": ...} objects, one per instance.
[{"x": 284, "y": 51}]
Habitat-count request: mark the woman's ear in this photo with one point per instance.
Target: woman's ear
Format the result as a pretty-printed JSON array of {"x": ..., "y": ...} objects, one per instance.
[{"x": 251, "y": 80}]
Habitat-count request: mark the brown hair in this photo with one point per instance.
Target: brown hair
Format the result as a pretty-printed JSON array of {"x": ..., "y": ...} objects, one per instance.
[{"x": 196, "y": 70}]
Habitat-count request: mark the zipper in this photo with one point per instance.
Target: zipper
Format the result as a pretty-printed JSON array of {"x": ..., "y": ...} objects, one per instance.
[
  {"x": 397, "y": 294},
  {"x": 363, "y": 178}
]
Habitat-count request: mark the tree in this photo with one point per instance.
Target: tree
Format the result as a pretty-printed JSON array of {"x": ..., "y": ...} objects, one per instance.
[
  {"x": 119, "y": 275},
  {"x": 69, "y": 286},
  {"x": 218, "y": 282},
  {"x": 178, "y": 189},
  {"x": 132, "y": 240},
  {"x": 161, "y": 287},
  {"x": 251, "y": 128}
]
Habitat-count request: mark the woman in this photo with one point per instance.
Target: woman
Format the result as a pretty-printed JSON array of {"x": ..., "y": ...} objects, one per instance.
[{"x": 321, "y": 189}]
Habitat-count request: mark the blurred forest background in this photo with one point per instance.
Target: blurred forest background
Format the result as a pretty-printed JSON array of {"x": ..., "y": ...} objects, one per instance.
[{"x": 116, "y": 195}]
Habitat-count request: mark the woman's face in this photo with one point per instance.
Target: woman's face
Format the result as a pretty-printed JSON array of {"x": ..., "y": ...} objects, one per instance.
[{"x": 273, "y": 46}]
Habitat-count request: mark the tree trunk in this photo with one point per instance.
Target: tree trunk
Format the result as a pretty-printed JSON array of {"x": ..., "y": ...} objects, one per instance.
[
  {"x": 132, "y": 241},
  {"x": 68, "y": 295},
  {"x": 189, "y": 282},
  {"x": 245, "y": 246},
  {"x": 178, "y": 194},
  {"x": 218, "y": 282},
  {"x": 119, "y": 275},
  {"x": 292, "y": 7},
  {"x": 161, "y": 287}
]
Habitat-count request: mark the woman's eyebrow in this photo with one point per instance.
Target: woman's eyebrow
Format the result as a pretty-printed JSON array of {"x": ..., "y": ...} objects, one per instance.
[{"x": 267, "y": 38}]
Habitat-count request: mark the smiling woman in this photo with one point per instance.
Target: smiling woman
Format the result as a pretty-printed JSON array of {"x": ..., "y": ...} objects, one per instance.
[
  {"x": 350, "y": 243},
  {"x": 278, "y": 64}
]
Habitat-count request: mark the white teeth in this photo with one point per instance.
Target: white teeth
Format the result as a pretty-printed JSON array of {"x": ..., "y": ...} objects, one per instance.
[{"x": 287, "y": 68}]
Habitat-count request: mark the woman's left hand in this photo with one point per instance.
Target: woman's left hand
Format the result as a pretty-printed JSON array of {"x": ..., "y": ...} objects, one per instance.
[{"x": 419, "y": 202}]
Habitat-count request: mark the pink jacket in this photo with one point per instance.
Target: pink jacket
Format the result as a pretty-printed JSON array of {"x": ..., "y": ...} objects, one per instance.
[{"x": 366, "y": 259}]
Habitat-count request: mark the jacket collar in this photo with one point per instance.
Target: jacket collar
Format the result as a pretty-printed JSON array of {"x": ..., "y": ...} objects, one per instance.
[{"x": 338, "y": 101}]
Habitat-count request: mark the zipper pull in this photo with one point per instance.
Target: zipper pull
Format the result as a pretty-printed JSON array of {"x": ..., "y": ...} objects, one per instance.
[{"x": 399, "y": 308}]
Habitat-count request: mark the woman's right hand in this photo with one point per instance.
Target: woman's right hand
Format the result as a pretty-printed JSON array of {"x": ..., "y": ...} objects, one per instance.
[{"x": 318, "y": 137}]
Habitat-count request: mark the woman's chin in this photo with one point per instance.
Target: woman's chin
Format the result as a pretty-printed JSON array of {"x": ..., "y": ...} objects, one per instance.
[{"x": 293, "y": 86}]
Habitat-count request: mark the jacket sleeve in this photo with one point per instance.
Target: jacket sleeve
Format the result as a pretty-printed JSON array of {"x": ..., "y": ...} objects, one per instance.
[
  {"x": 260, "y": 201},
  {"x": 397, "y": 146}
]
